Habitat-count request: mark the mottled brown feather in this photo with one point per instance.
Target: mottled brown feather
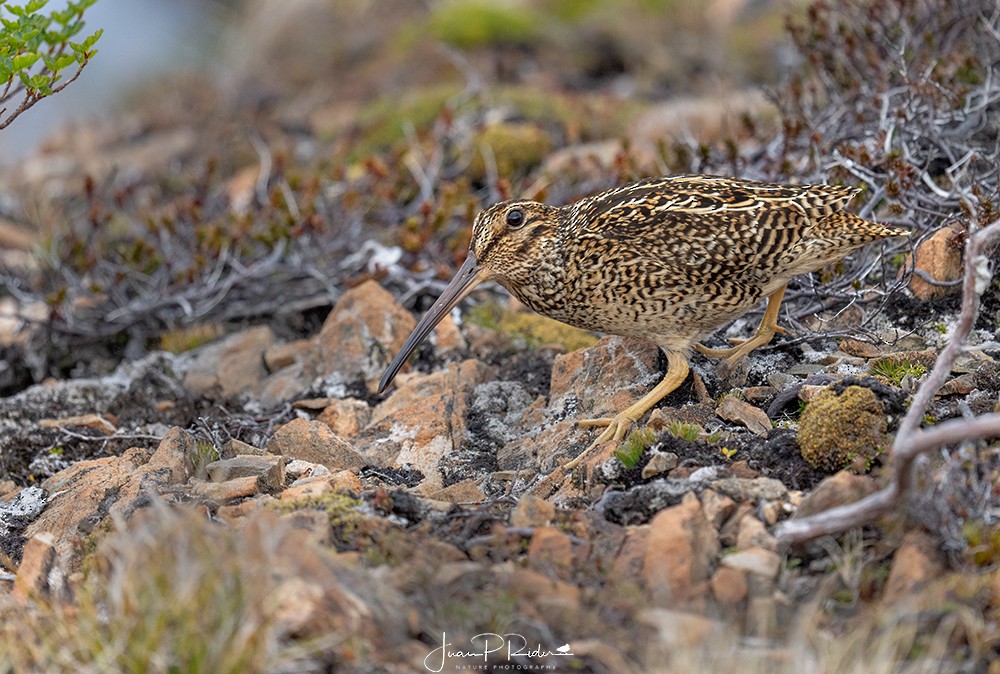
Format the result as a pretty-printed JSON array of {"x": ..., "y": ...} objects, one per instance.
[{"x": 669, "y": 259}]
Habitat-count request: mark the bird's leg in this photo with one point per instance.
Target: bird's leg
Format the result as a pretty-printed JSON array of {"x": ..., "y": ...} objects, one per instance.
[
  {"x": 765, "y": 332},
  {"x": 617, "y": 426}
]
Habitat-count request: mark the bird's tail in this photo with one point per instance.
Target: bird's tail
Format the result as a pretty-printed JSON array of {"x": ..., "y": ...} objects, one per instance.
[{"x": 851, "y": 230}]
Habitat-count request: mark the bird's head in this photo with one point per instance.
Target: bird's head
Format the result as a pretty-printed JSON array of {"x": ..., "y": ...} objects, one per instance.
[{"x": 503, "y": 238}]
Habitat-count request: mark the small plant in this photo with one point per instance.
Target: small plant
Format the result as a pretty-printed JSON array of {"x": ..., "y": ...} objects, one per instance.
[
  {"x": 630, "y": 451},
  {"x": 37, "y": 54},
  {"x": 728, "y": 453},
  {"x": 203, "y": 454},
  {"x": 186, "y": 339},
  {"x": 684, "y": 431},
  {"x": 893, "y": 371}
]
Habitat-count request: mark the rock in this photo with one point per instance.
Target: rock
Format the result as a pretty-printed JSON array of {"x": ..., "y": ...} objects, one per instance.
[
  {"x": 839, "y": 430},
  {"x": 729, "y": 584},
  {"x": 680, "y": 551},
  {"x": 423, "y": 421},
  {"x": 759, "y": 561},
  {"x": 838, "y": 489},
  {"x": 751, "y": 490},
  {"x": 551, "y": 552},
  {"x": 363, "y": 332},
  {"x": 297, "y": 469},
  {"x": 532, "y": 511},
  {"x": 659, "y": 463},
  {"x": 308, "y": 487},
  {"x": 234, "y": 447},
  {"x": 172, "y": 458},
  {"x": 346, "y": 480},
  {"x": 717, "y": 507},
  {"x": 759, "y": 394},
  {"x": 465, "y": 491},
  {"x": 268, "y": 469},
  {"x": 854, "y": 347},
  {"x": 237, "y": 514},
  {"x": 915, "y": 564},
  {"x": 752, "y": 533},
  {"x": 449, "y": 339},
  {"x": 280, "y": 356},
  {"x": 940, "y": 257},
  {"x": 606, "y": 378},
  {"x": 37, "y": 562},
  {"x": 283, "y": 385},
  {"x": 737, "y": 411},
  {"x": 229, "y": 367},
  {"x": 228, "y": 490},
  {"x": 17, "y": 512},
  {"x": 961, "y": 385},
  {"x": 94, "y": 422},
  {"x": 596, "y": 381},
  {"x": 346, "y": 416},
  {"x": 313, "y": 441},
  {"x": 83, "y": 495}
]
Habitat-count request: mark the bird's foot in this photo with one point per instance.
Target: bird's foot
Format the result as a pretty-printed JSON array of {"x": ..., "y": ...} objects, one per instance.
[
  {"x": 741, "y": 347},
  {"x": 615, "y": 429}
]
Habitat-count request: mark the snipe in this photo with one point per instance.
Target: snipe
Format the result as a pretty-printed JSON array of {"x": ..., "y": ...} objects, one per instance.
[{"x": 665, "y": 259}]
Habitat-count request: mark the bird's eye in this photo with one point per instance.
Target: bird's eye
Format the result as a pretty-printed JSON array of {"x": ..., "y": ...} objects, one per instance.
[{"x": 515, "y": 218}]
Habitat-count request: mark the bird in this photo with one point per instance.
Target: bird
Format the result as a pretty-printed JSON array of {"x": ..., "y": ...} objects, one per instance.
[{"x": 667, "y": 259}]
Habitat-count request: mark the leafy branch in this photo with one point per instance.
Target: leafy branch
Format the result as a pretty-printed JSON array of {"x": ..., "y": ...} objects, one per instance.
[{"x": 38, "y": 57}]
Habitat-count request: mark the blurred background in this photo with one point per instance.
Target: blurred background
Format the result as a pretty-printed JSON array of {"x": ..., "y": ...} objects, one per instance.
[{"x": 223, "y": 163}]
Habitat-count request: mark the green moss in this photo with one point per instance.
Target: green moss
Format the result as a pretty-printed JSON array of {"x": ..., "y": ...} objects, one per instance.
[
  {"x": 340, "y": 507},
  {"x": 512, "y": 148},
  {"x": 836, "y": 431},
  {"x": 539, "y": 330},
  {"x": 536, "y": 330},
  {"x": 983, "y": 541},
  {"x": 472, "y": 24}
]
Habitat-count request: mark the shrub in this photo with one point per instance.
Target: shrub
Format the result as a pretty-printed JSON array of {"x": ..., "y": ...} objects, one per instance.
[{"x": 37, "y": 55}]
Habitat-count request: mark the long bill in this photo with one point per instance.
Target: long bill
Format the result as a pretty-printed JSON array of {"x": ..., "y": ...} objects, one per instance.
[{"x": 467, "y": 278}]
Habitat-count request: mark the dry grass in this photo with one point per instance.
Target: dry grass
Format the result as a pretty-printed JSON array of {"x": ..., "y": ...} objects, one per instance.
[{"x": 173, "y": 593}]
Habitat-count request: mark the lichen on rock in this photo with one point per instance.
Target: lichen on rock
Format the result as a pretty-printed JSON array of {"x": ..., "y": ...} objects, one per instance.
[{"x": 841, "y": 430}]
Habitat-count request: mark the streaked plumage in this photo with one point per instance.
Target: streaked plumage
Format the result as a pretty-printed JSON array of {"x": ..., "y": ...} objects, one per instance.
[{"x": 667, "y": 259}]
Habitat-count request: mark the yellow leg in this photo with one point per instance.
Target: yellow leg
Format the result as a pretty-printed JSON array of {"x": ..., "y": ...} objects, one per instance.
[
  {"x": 617, "y": 426},
  {"x": 765, "y": 332}
]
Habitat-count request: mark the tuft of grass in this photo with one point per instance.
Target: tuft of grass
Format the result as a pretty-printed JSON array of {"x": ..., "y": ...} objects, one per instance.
[
  {"x": 630, "y": 452},
  {"x": 893, "y": 371},
  {"x": 685, "y": 431},
  {"x": 185, "y": 339},
  {"x": 203, "y": 454},
  {"x": 172, "y": 593}
]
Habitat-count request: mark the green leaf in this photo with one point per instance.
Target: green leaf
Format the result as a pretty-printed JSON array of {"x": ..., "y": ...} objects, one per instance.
[
  {"x": 34, "y": 5},
  {"x": 40, "y": 83},
  {"x": 25, "y": 61}
]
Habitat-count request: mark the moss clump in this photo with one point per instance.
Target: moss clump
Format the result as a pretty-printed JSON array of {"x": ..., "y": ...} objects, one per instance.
[
  {"x": 840, "y": 430},
  {"x": 536, "y": 330},
  {"x": 469, "y": 25},
  {"x": 512, "y": 147}
]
